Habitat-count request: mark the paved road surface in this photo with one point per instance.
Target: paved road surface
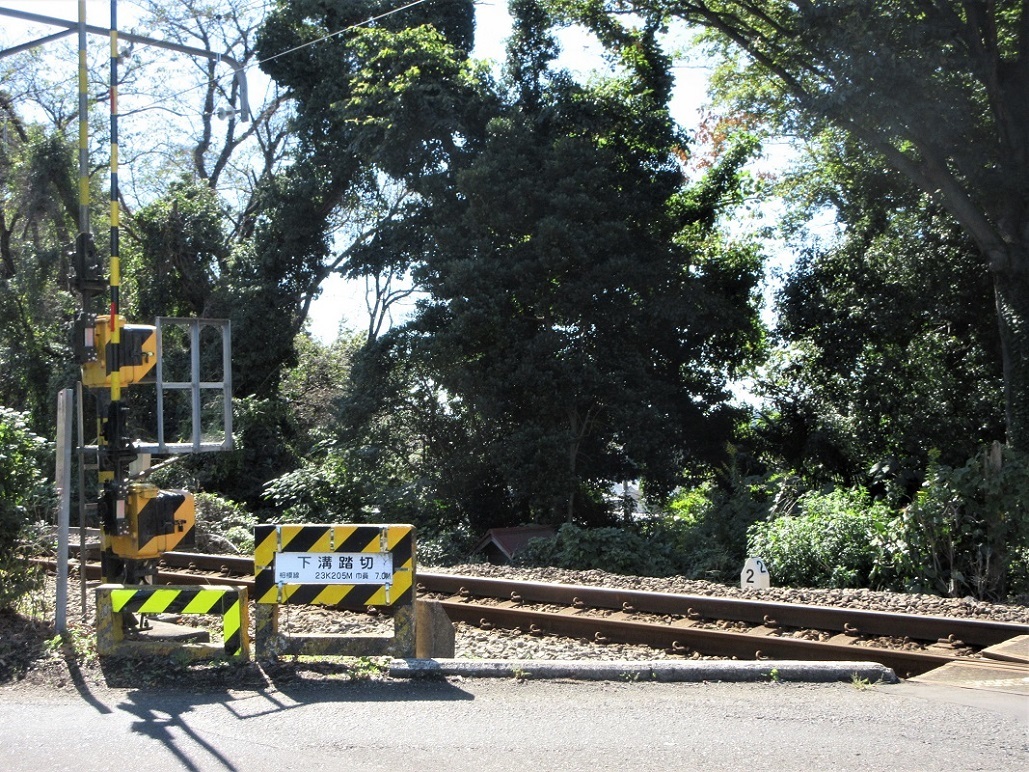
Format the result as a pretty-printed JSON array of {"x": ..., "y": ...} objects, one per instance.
[{"x": 494, "y": 724}]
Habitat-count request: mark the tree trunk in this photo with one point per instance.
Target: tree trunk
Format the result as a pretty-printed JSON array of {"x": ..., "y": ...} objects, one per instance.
[{"x": 1011, "y": 289}]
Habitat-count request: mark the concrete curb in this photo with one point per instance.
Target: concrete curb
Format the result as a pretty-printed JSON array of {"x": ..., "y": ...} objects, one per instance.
[{"x": 732, "y": 671}]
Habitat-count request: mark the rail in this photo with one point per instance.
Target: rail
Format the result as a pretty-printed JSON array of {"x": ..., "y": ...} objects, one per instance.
[{"x": 677, "y": 623}]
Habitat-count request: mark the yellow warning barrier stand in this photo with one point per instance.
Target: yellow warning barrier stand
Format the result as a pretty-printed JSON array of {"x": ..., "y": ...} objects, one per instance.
[
  {"x": 344, "y": 566},
  {"x": 113, "y": 601}
]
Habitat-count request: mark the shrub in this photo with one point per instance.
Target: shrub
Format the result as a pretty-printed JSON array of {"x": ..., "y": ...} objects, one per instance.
[
  {"x": 967, "y": 532},
  {"x": 25, "y": 497},
  {"x": 829, "y": 542},
  {"x": 322, "y": 490},
  {"x": 616, "y": 550},
  {"x": 444, "y": 547},
  {"x": 223, "y": 526},
  {"x": 707, "y": 525}
]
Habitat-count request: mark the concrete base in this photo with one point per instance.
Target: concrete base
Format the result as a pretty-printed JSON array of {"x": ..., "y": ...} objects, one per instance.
[
  {"x": 1014, "y": 650},
  {"x": 159, "y": 630},
  {"x": 434, "y": 632},
  {"x": 981, "y": 675},
  {"x": 271, "y": 643},
  {"x": 654, "y": 670}
]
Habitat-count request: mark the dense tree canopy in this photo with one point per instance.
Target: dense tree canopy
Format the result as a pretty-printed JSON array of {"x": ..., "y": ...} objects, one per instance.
[
  {"x": 583, "y": 311},
  {"x": 37, "y": 201},
  {"x": 940, "y": 90},
  {"x": 887, "y": 355},
  {"x": 581, "y": 315}
]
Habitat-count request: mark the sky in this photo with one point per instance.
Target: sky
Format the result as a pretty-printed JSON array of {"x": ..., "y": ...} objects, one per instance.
[{"x": 342, "y": 302}]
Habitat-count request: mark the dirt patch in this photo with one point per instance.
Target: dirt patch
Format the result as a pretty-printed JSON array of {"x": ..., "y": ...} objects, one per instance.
[{"x": 34, "y": 657}]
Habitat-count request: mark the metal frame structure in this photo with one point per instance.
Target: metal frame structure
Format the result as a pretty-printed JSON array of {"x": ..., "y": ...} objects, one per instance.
[
  {"x": 72, "y": 26},
  {"x": 195, "y": 386}
]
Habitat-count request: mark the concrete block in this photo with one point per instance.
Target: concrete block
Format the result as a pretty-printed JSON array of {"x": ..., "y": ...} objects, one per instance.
[{"x": 434, "y": 632}]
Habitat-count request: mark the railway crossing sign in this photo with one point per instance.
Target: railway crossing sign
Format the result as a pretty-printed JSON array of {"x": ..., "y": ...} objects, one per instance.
[
  {"x": 349, "y": 566},
  {"x": 346, "y": 566}
]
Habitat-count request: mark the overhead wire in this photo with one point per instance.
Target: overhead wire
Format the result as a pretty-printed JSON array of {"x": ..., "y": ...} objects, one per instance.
[
  {"x": 257, "y": 63},
  {"x": 175, "y": 96}
]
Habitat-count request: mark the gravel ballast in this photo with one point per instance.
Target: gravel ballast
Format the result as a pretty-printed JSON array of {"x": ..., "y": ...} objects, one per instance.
[
  {"x": 497, "y": 644},
  {"x": 500, "y": 644}
]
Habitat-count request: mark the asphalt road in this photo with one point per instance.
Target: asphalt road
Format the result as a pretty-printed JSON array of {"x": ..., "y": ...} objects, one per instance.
[{"x": 502, "y": 724}]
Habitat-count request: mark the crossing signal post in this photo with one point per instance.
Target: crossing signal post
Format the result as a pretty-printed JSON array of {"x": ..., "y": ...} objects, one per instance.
[{"x": 138, "y": 520}]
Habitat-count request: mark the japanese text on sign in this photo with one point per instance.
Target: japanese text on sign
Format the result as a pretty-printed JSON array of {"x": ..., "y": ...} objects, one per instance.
[{"x": 333, "y": 568}]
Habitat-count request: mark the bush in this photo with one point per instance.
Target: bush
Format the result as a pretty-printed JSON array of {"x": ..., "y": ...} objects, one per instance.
[
  {"x": 322, "y": 490},
  {"x": 967, "y": 532},
  {"x": 26, "y": 497},
  {"x": 830, "y": 542},
  {"x": 616, "y": 550},
  {"x": 701, "y": 536},
  {"x": 707, "y": 526},
  {"x": 223, "y": 526},
  {"x": 446, "y": 547}
]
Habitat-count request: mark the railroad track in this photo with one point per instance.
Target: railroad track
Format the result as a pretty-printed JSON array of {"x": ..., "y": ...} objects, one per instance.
[
  {"x": 724, "y": 627},
  {"x": 743, "y": 629}
]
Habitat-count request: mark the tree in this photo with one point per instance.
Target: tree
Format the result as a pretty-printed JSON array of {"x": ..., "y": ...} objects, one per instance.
[
  {"x": 887, "y": 357},
  {"x": 180, "y": 254},
  {"x": 940, "y": 90},
  {"x": 36, "y": 224},
  {"x": 208, "y": 139},
  {"x": 352, "y": 131},
  {"x": 582, "y": 315},
  {"x": 26, "y": 498}
]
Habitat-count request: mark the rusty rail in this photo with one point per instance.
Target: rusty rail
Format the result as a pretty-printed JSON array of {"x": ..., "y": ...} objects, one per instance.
[
  {"x": 606, "y": 615},
  {"x": 853, "y": 622},
  {"x": 684, "y": 640}
]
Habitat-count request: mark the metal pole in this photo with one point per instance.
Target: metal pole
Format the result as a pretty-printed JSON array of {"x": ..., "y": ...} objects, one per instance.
[
  {"x": 115, "y": 415},
  {"x": 81, "y": 456},
  {"x": 194, "y": 342},
  {"x": 65, "y": 411},
  {"x": 83, "y": 129},
  {"x": 83, "y": 126}
]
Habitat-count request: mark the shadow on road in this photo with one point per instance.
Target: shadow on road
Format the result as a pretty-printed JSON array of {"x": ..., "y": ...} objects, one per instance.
[{"x": 163, "y": 711}]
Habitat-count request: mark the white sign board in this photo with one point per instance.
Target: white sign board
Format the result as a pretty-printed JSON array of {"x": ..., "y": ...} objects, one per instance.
[
  {"x": 334, "y": 568},
  {"x": 755, "y": 575}
]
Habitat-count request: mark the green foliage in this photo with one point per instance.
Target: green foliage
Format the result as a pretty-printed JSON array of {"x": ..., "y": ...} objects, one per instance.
[
  {"x": 392, "y": 109},
  {"x": 267, "y": 444},
  {"x": 826, "y": 543},
  {"x": 26, "y": 497},
  {"x": 578, "y": 324},
  {"x": 967, "y": 532},
  {"x": 313, "y": 388},
  {"x": 707, "y": 525},
  {"x": 180, "y": 255},
  {"x": 444, "y": 547},
  {"x": 408, "y": 99},
  {"x": 322, "y": 490},
  {"x": 868, "y": 373},
  {"x": 37, "y": 206},
  {"x": 223, "y": 526},
  {"x": 616, "y": 550},
  {"x": 702, "y": 538}
]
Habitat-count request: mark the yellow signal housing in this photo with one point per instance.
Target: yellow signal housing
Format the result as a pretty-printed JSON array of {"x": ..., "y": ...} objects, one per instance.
[
  {"x": 158, "y": 522},
  {"x": 138, "y": 353}
]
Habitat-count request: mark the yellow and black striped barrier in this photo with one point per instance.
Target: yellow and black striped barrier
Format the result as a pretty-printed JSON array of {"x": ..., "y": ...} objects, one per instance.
[
  {"x": 113, "y": 601},
  {"x": 344, "y": 566},
  {"x": 336, "y": 551}
]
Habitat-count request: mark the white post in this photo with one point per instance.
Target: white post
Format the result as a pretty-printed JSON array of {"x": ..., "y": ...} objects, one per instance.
[{"x": 63, "y": 481}]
